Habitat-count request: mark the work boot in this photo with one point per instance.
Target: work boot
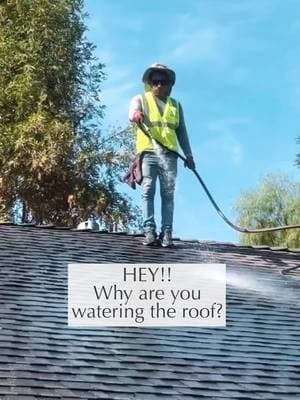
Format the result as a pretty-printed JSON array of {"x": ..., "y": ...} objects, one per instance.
[
  {"x": 166, "y": 239},
  {"x": 150, "y": 238}
]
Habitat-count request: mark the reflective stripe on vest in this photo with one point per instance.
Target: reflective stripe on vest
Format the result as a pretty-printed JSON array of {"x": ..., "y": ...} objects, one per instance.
[{"x": 163, "y": 127}]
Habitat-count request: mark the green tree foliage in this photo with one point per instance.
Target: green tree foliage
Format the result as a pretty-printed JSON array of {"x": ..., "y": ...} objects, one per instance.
[
  {"x": 52, "y": 155},
  {"x": 275, "y": 203}
]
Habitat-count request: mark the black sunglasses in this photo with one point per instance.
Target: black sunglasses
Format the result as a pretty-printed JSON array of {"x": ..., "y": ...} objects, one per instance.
[{"x": 163, "y": 82}]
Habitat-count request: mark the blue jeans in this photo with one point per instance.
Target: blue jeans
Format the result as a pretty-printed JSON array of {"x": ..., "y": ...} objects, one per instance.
[{"x": 163, "y": 167}]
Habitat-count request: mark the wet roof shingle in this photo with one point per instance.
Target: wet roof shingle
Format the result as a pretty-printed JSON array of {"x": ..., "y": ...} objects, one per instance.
[{"x": 257, "y": 356}]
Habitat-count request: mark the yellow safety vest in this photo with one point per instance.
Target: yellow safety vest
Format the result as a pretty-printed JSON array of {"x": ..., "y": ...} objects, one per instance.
[{"x": 163, "y": 127}]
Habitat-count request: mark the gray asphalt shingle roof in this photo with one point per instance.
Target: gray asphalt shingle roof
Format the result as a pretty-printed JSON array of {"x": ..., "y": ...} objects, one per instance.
[{"x": 257, "y": 356}]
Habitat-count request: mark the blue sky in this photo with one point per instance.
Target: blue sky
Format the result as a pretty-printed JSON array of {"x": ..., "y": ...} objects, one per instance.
[{"x": 237, "y": 66}]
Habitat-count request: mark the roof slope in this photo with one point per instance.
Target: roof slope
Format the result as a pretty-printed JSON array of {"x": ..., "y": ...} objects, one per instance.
[{"x": 257, "y": 356}]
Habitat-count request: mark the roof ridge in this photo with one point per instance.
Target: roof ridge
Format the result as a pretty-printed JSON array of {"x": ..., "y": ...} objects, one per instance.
[{"x": 105, "y": 231}]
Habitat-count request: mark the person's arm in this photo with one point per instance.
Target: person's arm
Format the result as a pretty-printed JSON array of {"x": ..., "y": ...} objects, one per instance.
[
  {"x": 135, "y": 109},
  {"x": 183, "y": 140}
]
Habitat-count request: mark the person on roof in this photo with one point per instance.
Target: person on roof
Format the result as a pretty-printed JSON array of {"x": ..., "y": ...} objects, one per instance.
[{"x": 164, "y": 116}]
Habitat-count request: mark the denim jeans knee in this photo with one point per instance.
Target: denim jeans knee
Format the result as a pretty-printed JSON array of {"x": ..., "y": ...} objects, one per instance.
[
  {"x": 150, "y": 172},
  {"x": 167, "y": 177},
  {"x": 164, "y": 167}
]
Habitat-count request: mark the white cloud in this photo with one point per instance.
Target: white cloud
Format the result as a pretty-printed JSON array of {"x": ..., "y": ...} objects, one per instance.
[
  {"x": 224, "y": 146},
  {"x": 222, "y": 139},
  {"x": 116, "y": 97},
  {"x": 293, "y": 87},
  {"x": 195, "y": 40},
  {"x": 227, "y": 124},
  {"x": 116, "y": 89},
  {"x": 105, "y": 19},
  {"x": 236, "y": 153},
  {"x": 219, "y": 40},
  {"x": 205, "y": 44}
]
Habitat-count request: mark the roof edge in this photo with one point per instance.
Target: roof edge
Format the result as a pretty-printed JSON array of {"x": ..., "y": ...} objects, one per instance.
[{"x": 105, "y": 231}]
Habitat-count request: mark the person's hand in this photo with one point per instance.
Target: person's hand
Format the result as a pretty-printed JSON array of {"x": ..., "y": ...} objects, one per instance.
[
  {"x": 189, "y": 162},
  {"x": 138, "y": 117}
]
